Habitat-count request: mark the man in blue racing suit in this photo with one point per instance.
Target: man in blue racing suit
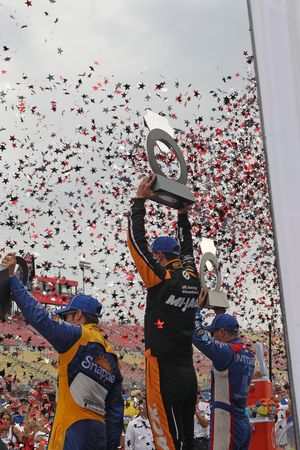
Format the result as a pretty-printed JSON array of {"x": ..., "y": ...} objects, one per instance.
[
  {"x": 89, "y": 410},
  {"x": 232, "y": 371}
]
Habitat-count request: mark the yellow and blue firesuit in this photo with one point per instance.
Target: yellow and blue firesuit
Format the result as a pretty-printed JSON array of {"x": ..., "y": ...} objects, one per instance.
[{"x": 89, "y": 411}]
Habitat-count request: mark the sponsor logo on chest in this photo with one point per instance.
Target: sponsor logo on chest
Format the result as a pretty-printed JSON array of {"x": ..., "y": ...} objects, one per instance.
[
  {"x": 182, "y": 302},
  {"x": 104, "y": 375},
  {"x": 245, "y": 359}
]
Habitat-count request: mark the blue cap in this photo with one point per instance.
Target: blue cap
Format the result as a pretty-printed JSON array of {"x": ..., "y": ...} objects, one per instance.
[
  {"x": 166, "y": 244},
  {"x": 225, "y": 321},
  {"x": 84, "y": 303}
]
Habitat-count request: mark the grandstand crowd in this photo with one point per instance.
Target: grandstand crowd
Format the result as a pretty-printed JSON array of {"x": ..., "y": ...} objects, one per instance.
[{"x": 25, "y": 417}]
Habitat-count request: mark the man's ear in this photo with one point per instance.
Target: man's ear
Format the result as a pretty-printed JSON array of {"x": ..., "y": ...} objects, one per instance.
[
  {"x": 78, "y": 315},
  {"x": 159, "y": 255},
  {"x": 223, "y": 331}
]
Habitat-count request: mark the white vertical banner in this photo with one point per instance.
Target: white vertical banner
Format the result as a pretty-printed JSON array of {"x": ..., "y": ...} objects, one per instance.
[{"x": 275, "y": 28}]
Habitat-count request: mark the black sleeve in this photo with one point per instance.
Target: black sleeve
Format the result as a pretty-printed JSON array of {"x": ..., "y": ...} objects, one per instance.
[
  {"x": 184, "y": 236},
  {"x": 151, "y": 271}
]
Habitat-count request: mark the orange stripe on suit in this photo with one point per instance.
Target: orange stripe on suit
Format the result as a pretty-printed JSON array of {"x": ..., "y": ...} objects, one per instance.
[{"x": 156, "y": 411}]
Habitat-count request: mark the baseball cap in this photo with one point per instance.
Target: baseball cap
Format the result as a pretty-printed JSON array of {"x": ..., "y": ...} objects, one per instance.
[
  {"x": 166, "y": 244},
  {"x": 225, "y": 321},
  {"x": 84, "y": 303}
]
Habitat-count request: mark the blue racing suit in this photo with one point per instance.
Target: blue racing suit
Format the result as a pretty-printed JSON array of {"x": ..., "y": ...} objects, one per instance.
[
  {"x": 89, "y": 411},
  {"x": 232, "y": 371}
]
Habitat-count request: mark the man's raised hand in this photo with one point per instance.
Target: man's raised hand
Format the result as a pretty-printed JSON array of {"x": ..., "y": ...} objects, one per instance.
[
  {"x": 144, "y": 190},
  {"x": 202, "y": 298},
  {"x": 10, "y": 261}
]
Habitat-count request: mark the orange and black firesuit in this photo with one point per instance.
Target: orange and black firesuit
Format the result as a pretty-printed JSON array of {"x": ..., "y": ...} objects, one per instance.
[{"x": 173, "y": 291}]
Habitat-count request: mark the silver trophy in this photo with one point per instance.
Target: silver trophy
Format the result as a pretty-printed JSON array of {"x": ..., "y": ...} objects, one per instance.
[
  {"x": 5, "y": 293},
  {"x": 173, "y": 193},
  {"x": 215, "y": 298}
]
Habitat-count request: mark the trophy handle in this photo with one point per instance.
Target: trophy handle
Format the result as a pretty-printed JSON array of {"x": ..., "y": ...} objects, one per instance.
[
  {"x": 162, "y": 136},
  {"x": 23, "y": 269},
  {"x": 208, "y": 256}
]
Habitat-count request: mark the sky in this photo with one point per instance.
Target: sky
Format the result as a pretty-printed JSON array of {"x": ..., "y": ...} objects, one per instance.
[
  {"x": 75, "y": 81},
  {"x": 196, "y": 41}
]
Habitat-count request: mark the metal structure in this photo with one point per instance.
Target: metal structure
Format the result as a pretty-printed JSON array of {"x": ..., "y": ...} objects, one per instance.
[
  {"x": 83, "y": 266},
  {"x": 275, "y": 30}
]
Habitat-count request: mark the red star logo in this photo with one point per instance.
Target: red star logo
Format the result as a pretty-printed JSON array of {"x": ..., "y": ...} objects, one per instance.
[{"x": 159, "y": 324}]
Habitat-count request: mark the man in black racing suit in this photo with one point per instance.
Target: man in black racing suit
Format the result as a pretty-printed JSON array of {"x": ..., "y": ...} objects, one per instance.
[{"x": 172, "y": 282}]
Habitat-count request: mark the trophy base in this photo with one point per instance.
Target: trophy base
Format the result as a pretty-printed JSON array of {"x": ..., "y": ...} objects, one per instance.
[
  {"x": 171, "y": 193},
  {"x": 5, "y": 295},
  {"x": 216, "y": 299}
]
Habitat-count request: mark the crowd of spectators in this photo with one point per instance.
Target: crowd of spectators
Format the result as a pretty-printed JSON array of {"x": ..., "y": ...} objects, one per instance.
[{"x": 25, "y": 417}]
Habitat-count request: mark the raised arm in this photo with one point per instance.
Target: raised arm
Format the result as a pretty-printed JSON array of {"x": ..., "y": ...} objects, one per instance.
[
  {"x": 60, "y": 334},
  {"x": 151, "y": 271},
  {"x": 186, "y": 242},
  {"x": 221, "y": 354}
]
